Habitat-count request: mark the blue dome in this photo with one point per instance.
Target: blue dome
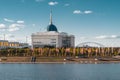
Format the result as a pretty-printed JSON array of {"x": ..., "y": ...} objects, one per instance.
[{"x": 52, "y": 27}]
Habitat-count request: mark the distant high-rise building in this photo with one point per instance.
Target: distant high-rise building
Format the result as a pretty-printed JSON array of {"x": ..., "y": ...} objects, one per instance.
[{"x": 52, "y": 38}]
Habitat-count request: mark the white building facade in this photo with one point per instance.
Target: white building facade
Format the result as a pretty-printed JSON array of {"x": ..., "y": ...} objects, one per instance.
[{"x": 52, "y": 38}]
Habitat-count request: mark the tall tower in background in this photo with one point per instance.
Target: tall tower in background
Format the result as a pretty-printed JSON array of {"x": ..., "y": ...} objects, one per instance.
[
  {"x": 52, "y": 38},
  {"x": 51, "y": 26}
]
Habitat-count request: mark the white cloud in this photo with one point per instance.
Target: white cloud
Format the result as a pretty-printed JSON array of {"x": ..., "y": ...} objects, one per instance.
[
  {"x": 101, "y": 37},
  {"x": 2, "y": 26},
  {"x": 77, "y": 12},
  {"x": 107, "y": 37},
  {"x": 88, "y": 12},
  {"x": 2, "y": 29},
  {"x": 115, "y": 36},
  {"x": 20, "y": 22},
  {"x": 33, "y": 25},
  {"x": 82, "y": 12},
  {"x": 53, "y": 3},
  {"x": 83, "y": 38},
  {"x": 15, "y": 27},
  {"x": 67, "y": 4},
  {"x": 8, "y": 20},
  {"x": 10, "y": 36}
]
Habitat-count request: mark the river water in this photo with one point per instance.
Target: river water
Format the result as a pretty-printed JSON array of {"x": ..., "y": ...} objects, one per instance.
[{"x": 54, "y": 71}]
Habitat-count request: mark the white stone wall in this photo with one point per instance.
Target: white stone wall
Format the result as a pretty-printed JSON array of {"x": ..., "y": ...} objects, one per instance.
[{"x": 51, "y": 38}]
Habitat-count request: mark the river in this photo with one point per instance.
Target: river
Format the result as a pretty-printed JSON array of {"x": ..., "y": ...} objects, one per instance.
[{"x": 59, "y": 71}]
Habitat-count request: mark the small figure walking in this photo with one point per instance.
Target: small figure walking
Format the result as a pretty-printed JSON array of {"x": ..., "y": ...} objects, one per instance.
[{"x": 34, "y": 59}]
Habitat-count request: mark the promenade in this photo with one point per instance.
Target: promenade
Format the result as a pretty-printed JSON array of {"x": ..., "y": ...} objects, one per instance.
[{"x": 27, "y": 60}]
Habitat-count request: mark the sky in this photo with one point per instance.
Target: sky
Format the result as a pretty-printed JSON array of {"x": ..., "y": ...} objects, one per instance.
[{"x": 89, "y": 20}]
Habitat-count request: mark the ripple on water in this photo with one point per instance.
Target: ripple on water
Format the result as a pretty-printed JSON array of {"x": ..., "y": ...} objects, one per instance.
[{"x": 65, "y": 71}]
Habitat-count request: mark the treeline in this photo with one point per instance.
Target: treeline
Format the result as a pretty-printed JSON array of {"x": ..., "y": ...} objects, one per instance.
[{"x": 61, "y": 52}]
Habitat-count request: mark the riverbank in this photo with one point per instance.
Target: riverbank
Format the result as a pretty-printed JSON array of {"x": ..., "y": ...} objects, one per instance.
[{"x": 27, "y": 60}]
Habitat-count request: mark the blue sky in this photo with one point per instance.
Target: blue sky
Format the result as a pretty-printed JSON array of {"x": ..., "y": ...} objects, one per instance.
[{"x": 88, "y": 20}]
